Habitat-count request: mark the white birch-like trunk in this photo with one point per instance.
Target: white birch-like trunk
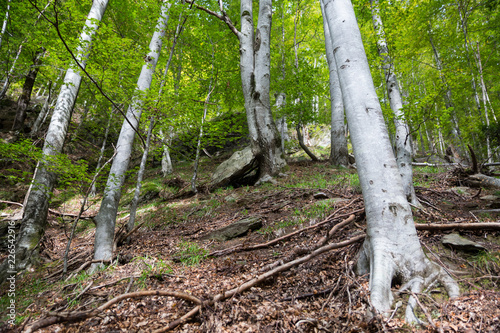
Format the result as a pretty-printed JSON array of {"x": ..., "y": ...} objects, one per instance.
[
  {"x": 25, "y": 98},
  {"x": 4, "y": 25},
  {"x": 37, "y": 205},
  {"x": 392, "y": 248},
  {"x": 338, "y": 150},
  {"x": 140, "y": 175},
  {"x": 166, "y": 161},
  {"x": 403, "y": 138},
  {"x": 255, "y": 63},
  {"x": 6, "y": 83},
  {"x": 106, "y": 217},
  {"x": 485, "y": 103},
  {"x": 38, "y": 122}
]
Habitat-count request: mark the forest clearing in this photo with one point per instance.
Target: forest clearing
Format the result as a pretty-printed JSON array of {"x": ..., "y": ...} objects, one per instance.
[{"x": 249, "y": 166}]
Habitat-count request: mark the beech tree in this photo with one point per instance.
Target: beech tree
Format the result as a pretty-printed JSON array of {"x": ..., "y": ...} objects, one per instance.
[
  {"x": 338, "y": 150},
  {"x": 403, "y": 138},
  {"x": 106, "y": 217},
  {"x": 255, "y": 77},
  {"x": 392, "y": 248},
  {"x": 24, "y": 99},
  {"x": 255, "y": 64},
  {"x": 36, "y": 209}
]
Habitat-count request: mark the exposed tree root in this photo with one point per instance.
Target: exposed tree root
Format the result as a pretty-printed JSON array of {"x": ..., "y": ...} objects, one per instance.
[{"x": 328, "y": 219}]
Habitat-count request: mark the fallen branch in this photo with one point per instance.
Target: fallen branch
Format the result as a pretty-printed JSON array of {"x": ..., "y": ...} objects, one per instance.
[
  {"x": 329, "y": 218},
  {"x": 180, "y": 321},
  {"x": 59, "y": 317},
  {"x": 284, "y": 267},
  {"x": 11, "y": 203},
  {"x": 486, "y": 181},
  {"x": 435, "y": 164},
  {"x": 462, "y": 226},
  {"x": 239, "y": 248}
]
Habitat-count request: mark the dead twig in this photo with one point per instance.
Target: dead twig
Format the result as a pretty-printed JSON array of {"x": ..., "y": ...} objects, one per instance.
[
  {"x": 239, "y": 248},
  {"x": 462, "y": 226},
  {"x": 59, "y": 317},
  {"x": 424, "y": 310}
]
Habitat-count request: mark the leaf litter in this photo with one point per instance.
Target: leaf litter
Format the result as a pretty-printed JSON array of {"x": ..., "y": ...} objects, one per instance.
[{"x": 322, "y": 294}]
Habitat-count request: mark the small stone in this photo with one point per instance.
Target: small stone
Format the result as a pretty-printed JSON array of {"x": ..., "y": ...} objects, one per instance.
[
  {"x": 458, "y": 242},
  {"x": 266, "y": 179},
  {"x": 236, "y": 229},
  {"x": 489, "y": 198},
  {"x": 320, "y": 195},
  {"x": 461, "y": 189}
]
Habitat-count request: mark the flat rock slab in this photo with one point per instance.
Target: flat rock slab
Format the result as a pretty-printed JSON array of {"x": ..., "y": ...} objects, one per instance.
[
  {"x": 461, "y": 189},
  {"x": 236, "y": 229},
  {"x": 489, "y": 198},
  {"x": 238, "y": 165},
  {"x": 458, "y": 242}
]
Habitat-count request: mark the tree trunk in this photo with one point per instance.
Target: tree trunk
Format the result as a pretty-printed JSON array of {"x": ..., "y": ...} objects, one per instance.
[
  {"x": 338, "y": 149},
  {"x": 24, "y": 100},
  {"x": 392, "y": 248},
  {"x": 140, "y": 175},
  {"x": 166, "y": 161},
  {"x": 6, "y": 83},
  {"x": 255, "y": 76},
  {"x": 485, "y": 100},
  {"x": 300, "y": 137},
  {"x": 37, "y": 205},
  {"x": 4, "y": 25},
  {"x": 42, "y": 114},
  {"x": 106, "y": 217},
  {"x": 403, "y": 138}
]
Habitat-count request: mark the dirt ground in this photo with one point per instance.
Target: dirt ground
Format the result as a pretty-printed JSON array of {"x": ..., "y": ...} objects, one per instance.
[{"x": 169, "y": 252}]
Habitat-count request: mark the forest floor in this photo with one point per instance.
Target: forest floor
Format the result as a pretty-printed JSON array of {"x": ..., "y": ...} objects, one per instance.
[{"x": 323, "y": 294}]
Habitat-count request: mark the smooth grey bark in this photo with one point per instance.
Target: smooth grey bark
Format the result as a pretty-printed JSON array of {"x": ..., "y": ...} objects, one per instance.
[
  {"x": 339, "y": 154},
  {"x": 24, "y": 100},
  {"x": 4, "y": 25},
  {"x": 391, "y": 248},
  {"x": 255, "y": 77},
  {"x": 166, "y": 161},
  {"x": 106, "y": 217},
  {"x": 35, "y": 212},
  {"x": 43, "y": 112},
  {"x": 6, "y": 83},
  {"x": 140, "y": 175},
  {"x": 300, "y": 137},
  {"x": 403, "y": 138},
  {"x": 485, "y": 103}
]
